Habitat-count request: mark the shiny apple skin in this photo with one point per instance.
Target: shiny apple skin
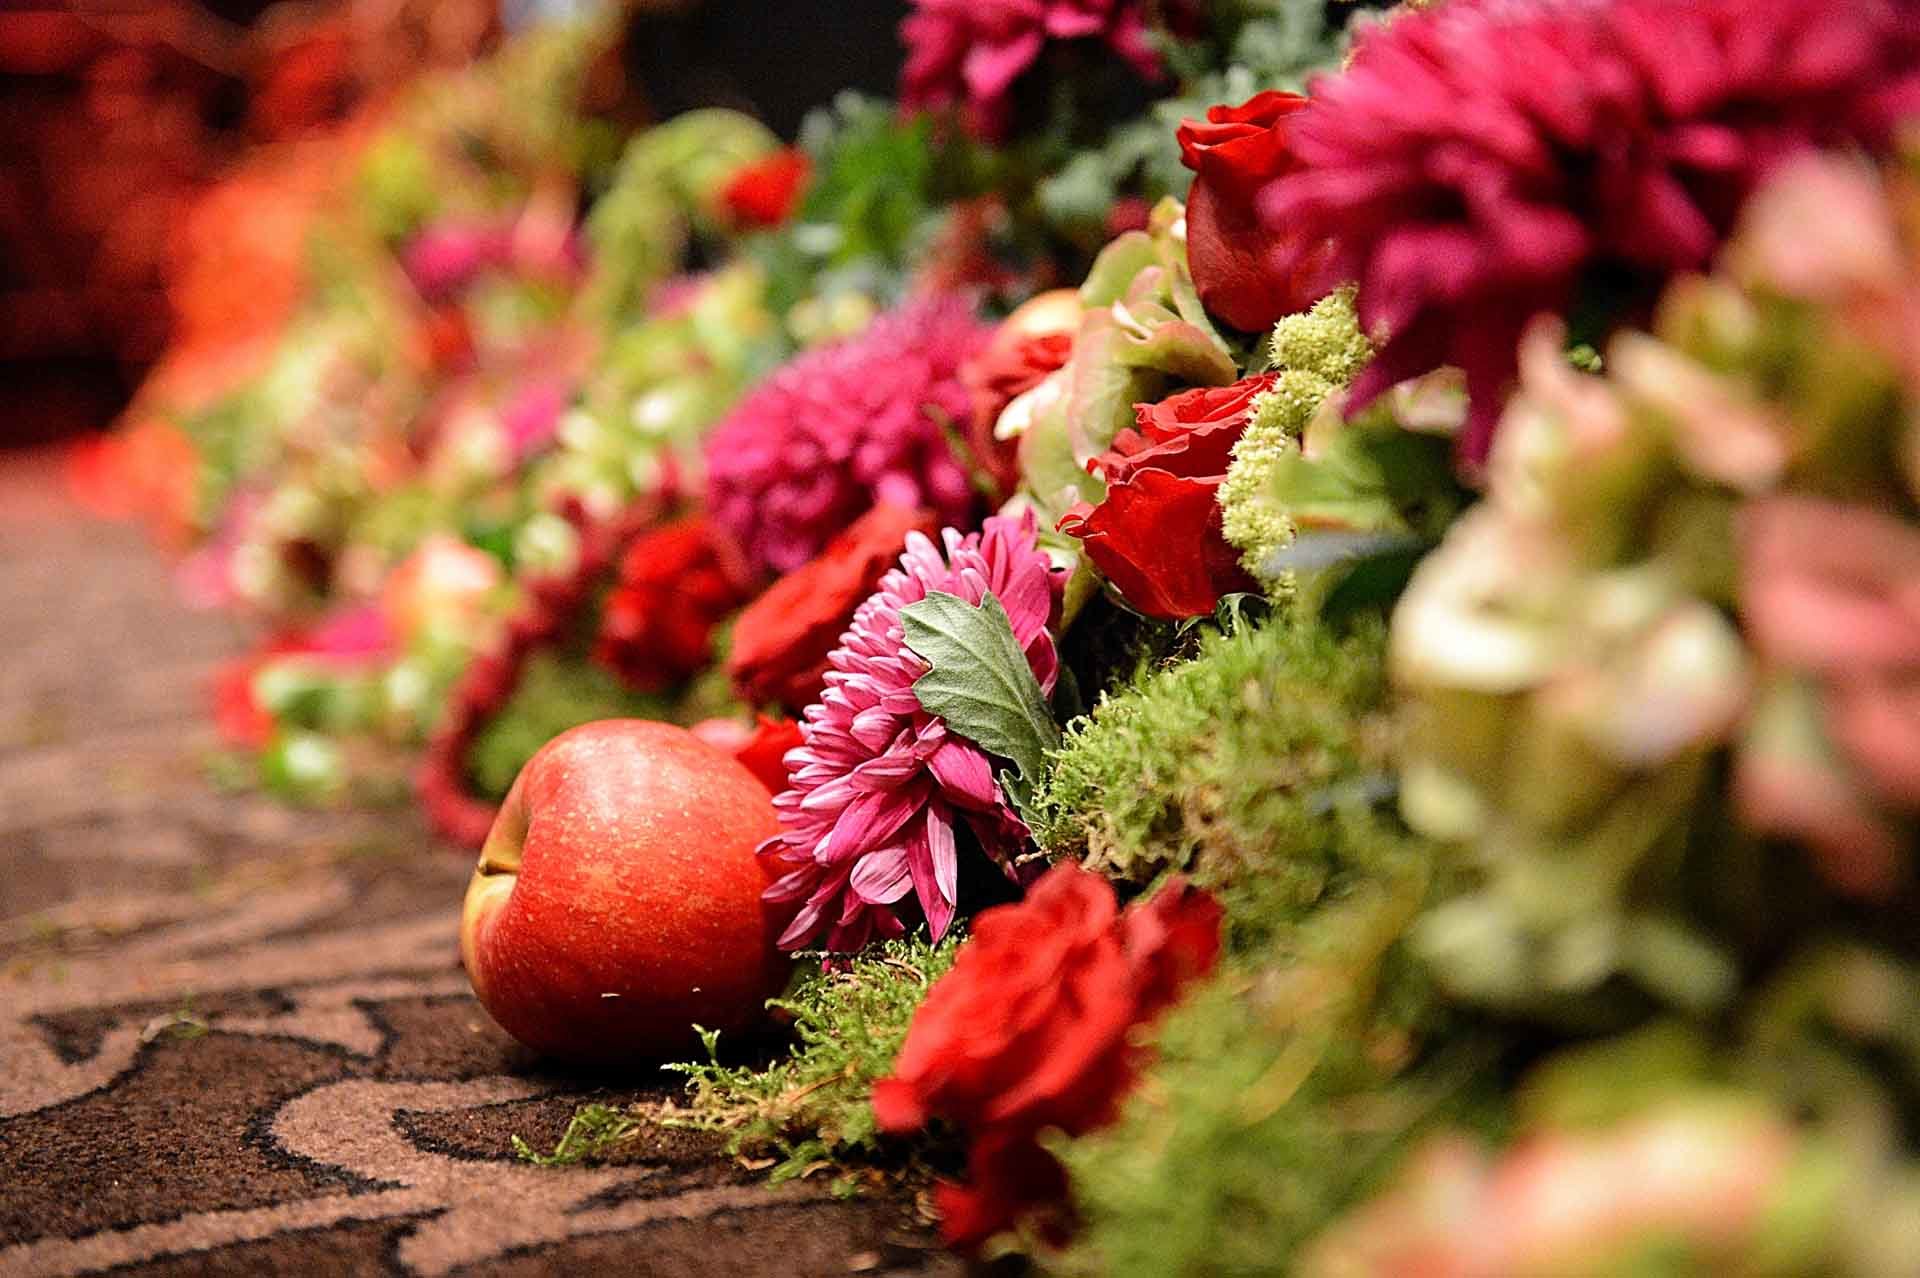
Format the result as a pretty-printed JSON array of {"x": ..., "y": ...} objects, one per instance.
[{"x": 616, "y": 902}]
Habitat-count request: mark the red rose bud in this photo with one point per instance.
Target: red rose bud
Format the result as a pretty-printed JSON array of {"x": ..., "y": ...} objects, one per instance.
[
  {"x": 781, "y": 640},
  {"x": 1239, "y": 266},
  {"x": 1032, "y": 1029},
  {"x": 1156, "y": 536},
  {"x": 766, "y": 192}
]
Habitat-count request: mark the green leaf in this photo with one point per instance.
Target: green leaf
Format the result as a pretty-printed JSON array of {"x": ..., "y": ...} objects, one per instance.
[{"x": 981, "y": 684}]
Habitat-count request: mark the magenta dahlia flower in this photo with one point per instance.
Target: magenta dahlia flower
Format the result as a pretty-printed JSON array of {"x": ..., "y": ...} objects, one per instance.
[
  {"x": 968, "y": 53},
  {"x": 1485, "y": 160},
  {"x": 880, "y": 785},
  {"x": 844, "y": 428}
]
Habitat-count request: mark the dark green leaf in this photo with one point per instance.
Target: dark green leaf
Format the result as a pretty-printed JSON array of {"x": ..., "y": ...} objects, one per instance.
[{"x": 980, "y": 683}]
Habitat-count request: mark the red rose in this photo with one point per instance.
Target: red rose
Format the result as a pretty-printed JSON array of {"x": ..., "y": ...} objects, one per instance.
[
  {"x": 1238, "y": 264},
  {"x": 781, "y": 641},
  {"x": 765, "y": 752},
  {"x": 676, "y": 584},
  {"x": 1033, "y": 1029},
  {"x": 1030, "y": 343},
  {"x": 765, "y": 192},
  {"x": 1156, "y": 535}
]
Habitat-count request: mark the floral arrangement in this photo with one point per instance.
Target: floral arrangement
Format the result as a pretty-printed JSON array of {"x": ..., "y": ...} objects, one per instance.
[{"x": 1378, "y": 732}]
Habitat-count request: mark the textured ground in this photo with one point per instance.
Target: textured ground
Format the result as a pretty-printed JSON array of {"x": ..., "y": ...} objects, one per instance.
[{"x": 235, "y": 1038}]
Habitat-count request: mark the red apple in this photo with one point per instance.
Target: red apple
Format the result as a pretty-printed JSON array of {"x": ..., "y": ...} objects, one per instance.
[{"x": 617, "y": 899}]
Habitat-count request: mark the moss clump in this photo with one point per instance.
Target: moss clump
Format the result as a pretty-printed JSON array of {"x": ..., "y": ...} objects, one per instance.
[
  {"x": 591, "y": 1132},
  {"x": 814, "y": 1103},
  {"x": 1230, "y": 765}
]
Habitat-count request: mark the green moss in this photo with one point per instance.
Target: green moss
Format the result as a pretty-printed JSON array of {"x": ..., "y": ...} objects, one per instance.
[
  {"x": 1231, "y": 765},
  {"x": 591, "y": 1132},
  {"x": 814, "y": 1102}
]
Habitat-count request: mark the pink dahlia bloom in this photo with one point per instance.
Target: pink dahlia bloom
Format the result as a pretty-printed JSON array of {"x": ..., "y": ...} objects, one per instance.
[
  {"x": 1483, "y": 160},
  {"x": 969, "y": 52},
  {"x": 880, "y": 785},
  {"x": 844, "y": 428}
]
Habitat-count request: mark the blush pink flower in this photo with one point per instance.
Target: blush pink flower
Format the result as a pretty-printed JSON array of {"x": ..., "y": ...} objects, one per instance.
[
  {"x": 881, "y": 787},
  {"x": 844, "y": 428},
  {"x": 1482, "y": 161}
]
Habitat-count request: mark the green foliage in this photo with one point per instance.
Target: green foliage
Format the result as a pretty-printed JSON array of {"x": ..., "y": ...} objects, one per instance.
[
  {"x": 871, "y": 198},
  {"x": 981, "y": 684},
  {"x": 1229, "y": 765},
  {"x": 1252, "y": 45},
  {"x": 662, "y": 191},
  {"x": 555, "y": 693},
  {"x": 813, "y": 1103},
  {"x": 396, "y": 185},
  {"x": 591, "y": 1132}
]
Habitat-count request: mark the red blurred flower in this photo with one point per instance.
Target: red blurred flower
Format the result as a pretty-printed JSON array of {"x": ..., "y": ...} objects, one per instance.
[
  {"x": 1245, "y": 274},
  {"x": 1482, "y": 161},
  {"x": 1156, "y": 536},
  {"x": 766, "y": 192},
  {"x": 1030, "y": 343},
  {"x": 1033, "y": 1029},
  {"x": 242, "y": 722},
  {"x": 765, "y": 751},
  {"x": 1128, "y": 213},
  {"x": 762, "y": 747},
  {"x": 676, "y": 584},
  {"x": 781, "y": 641}
]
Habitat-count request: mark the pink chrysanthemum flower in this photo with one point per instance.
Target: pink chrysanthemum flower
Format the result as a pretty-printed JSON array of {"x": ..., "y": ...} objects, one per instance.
[
  {"x": 969, "y": 52},
  {"x": 844, "y": 428},
  {"x": 1485, "y": 160},
  {"x": 879, "y": 785}
]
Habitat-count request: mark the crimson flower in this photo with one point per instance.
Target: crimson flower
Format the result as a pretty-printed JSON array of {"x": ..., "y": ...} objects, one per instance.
[
  {"x": 1244, "y": 274},
  {"x": 1156, "y": 535},
  {"x": 766, "y": 192},
  {"x": 1033, "y": 1028},
  {"x": 761, "y": 749},
  {"x": 1481, "y": 161},
  {"x": 676, "y": 584},
  {"x": 843, "y": 428},
  {"x": 1029, "y": 344},
  {"x": 782, "y": 639}
]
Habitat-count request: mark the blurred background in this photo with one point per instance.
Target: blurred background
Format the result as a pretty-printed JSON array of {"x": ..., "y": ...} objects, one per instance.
[{"x": 121, "y": 123}]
